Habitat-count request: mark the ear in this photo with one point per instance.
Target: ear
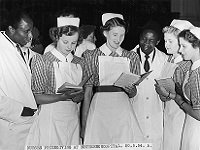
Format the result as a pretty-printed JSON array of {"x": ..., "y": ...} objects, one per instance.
[
  {"x": 11, "y": 29},
  {"x": 105, "y": 33}
]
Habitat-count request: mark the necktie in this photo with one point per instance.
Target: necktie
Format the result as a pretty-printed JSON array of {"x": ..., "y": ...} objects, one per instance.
[
  {"x": 20, "y": 51},
  {"x": 146, "y": 63}
]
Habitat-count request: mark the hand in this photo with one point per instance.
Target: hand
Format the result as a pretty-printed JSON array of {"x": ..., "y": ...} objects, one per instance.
[
  {"x": 131, "y": 90},
  {"x": 79, "y": 97},
  {"x": 70, "y": 94},
  {"x": 164, "y": 99},
  {"x": 161, "y": 90}
]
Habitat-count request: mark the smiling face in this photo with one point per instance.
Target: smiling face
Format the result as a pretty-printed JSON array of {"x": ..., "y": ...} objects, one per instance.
[
  {"x": 171, "y": 43},
  {"x": 115, "y": 37},
  {"x": 187, "y": 51},
  {"x": 66, "y": 44},
  {"x": 148, "y": 41}
]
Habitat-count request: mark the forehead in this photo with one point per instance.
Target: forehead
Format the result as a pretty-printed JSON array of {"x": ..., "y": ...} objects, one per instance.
[
  {"x": 117, "y": 29},
  {"x": 149, "y": 34},
  {"x": 25, "y": 24},
  {"x": 170, "y": 36},
  {"x": 73, "y": 37},
  {"x": 184, "y": 42}
]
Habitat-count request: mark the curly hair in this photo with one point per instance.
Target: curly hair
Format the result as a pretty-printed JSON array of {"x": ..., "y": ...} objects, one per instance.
[
  {"x": 191, "y": 38},
  {"x": 56, "y": 32},
  {"x": 172, "y": 30}
]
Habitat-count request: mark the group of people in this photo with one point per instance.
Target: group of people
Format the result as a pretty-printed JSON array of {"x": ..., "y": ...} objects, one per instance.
[{"x": 32, "y": 112}]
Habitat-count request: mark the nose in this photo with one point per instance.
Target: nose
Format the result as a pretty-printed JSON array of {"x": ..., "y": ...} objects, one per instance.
[
  {"x": 69, "y": 46},
  {"x": 30, "y": 36},
  {"x": 180, "y": 50}
]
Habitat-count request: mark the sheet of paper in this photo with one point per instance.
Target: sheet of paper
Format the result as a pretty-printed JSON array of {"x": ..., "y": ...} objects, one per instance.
[
  {"x": 126, "y": 79},
  {"x": 167, "y": 83},
  {"x": 143, "y": 76},
  {"x": 168, "y": 70}
]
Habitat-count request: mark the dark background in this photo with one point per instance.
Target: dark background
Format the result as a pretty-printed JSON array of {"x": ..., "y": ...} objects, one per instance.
[{"x": 136, "y": 12}]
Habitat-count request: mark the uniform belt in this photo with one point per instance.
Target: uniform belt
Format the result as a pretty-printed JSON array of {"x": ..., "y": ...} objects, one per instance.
[{"x": 108, "y": 88}]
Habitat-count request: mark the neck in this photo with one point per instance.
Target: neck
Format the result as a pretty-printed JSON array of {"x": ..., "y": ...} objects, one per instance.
[
  {"x": 176, "y": 55},
  {"x": 110, "y": 47}
]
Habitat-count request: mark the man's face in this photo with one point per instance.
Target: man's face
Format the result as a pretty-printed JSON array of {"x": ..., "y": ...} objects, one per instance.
[
  {"x": 148, "y": 41},
  {"x": 22, "y": 35}
]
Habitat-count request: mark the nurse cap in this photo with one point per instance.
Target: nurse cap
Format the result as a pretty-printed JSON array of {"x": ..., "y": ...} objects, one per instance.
[
  {"x": 66, "y": 21},
  {"x": 181, "y": 24},
  {"x": 108, "y": 16},
  {"x": 195, "y": 31}
]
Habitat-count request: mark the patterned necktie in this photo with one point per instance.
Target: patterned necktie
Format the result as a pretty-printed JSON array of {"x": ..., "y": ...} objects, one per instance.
[
  {"x": 20, "y": 51},
  {"x": 146, "y": 63}
]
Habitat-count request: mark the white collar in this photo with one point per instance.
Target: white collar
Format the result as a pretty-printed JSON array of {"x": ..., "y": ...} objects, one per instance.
[
  {"x": 195, "y": 65},
  {"x": 69, "y": 57},
  {"x": 61, "y": 57},
  {"x": 178, "y": 59},
  {"x": 13, "y": 43},
  {"x": 143, "y": 54},
  {"x": 104, "y": 48}
]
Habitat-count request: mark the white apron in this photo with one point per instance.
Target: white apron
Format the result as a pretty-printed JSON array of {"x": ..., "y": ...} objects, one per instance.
[
  {"x": 173, "y": 123},
  {"x": 111, "y": 118},
  {"x": 191, "y": 131},
  {"x": 58, "y": 123}
]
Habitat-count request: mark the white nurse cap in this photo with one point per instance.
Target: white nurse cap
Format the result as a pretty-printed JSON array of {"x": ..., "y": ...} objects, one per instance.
[
  {"x": 66, "y": 21},
  {"x": 195, "y": 31},
  {"x": 108, "y": 16},
  {"x": 181, "y": 24}
]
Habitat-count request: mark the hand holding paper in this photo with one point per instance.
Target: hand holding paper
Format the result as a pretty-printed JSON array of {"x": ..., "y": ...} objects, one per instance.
[
  {"x": 71, "y": 88},
  {"x": 167, "y": 83},
  {"x": 129, "y": 79}
]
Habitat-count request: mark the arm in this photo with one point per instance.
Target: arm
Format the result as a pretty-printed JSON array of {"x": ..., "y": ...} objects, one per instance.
[
  {"x": 85, "y": 108},
  {"x": 187, "y": 108},
  {"x": 52, "y": 98}
]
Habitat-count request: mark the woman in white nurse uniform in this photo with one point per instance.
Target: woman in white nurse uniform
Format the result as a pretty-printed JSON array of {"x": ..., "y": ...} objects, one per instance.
[
  {"x": 173, "y": 116},
  {"x": 188, "y": 98},
  {"x": 110, "y": 118},
  {"x": 58, "y": 121}
]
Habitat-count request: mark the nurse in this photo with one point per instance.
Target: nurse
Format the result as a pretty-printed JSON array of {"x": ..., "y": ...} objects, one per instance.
[
  {"x": 58, "y": 121},
  {"x": 173, "y": 115},
  {"x": 111, "y": 118},
  {"x": 188, "y": 99}
]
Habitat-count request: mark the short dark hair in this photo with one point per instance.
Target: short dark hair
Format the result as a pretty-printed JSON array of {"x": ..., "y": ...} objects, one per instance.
[
  {"x": 154, "y": 26},
  {"x": 15, "y": 16},
  {"x": 191, "y": 38},
  {"x": 57, "y": 32},
  {"x": 113, "y": 23}
]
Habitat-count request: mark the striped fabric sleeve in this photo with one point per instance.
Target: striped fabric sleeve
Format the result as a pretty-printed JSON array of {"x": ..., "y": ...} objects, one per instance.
[
  {"x": 195, "y": 88},
  {"x": 181, "y": 71},
  {"x": 89, "y": 67},
  {"x": 39, "y": 76},
  {"x": 135, "y": 63}
]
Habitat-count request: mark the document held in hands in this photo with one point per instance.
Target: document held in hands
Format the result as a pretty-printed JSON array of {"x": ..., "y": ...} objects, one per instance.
[
  {"x": 128, "y": 79},
  {"x": 68, "y": 87},
  {"x": 167, "y": 83}
]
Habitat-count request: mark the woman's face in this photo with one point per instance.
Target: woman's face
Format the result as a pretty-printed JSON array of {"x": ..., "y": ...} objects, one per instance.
[
  {"x": 115, "y": 37},
  {"x": 171, "y": 43},
  {"x": 66, "y": 44},
  {"x": 187, "y": 51}
]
